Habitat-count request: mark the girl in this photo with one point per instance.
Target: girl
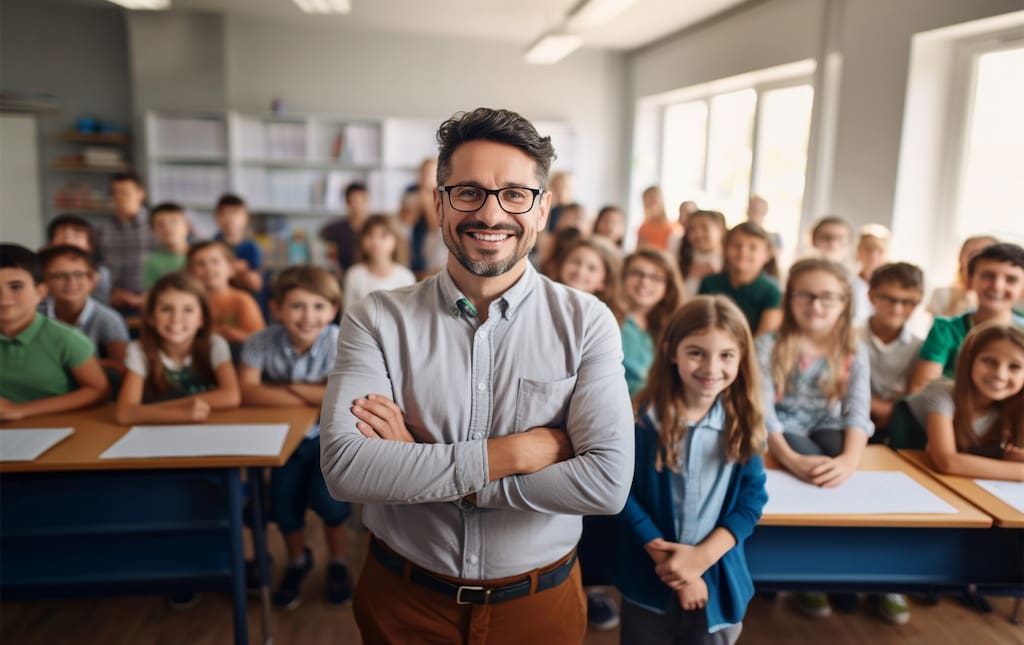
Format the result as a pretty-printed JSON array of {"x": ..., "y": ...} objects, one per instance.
[
  {"x": 700, "y": 253},
  {"x": 611, "y": 225},
  {"x": 975, "y": 424},
  {"x": 816, "y": 385},
  {"x": 234, "y": 313},
  {"x": 380, "y": 256},
  {"x": 699, "y": 483},
  {"x": 179, "y": 369},
  {"x": 657, "y": 229},
  {"x": 958, "y": 298},
  {"x": 748, "y": 248},
  {"x": 592, "y": 265},
  {"x": 652, "y": 292}
]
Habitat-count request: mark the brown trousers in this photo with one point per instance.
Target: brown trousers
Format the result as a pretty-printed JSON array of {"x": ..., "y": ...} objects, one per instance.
[{"x": 393, "y": 610}]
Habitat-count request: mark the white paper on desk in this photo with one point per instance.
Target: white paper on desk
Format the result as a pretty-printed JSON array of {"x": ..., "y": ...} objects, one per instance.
[
  {"x": 256, "y": 440},
  {"x": 28, "y": 444},
  {"x": 865, "y": 492},
  {"x": 1010, "y": 492}
]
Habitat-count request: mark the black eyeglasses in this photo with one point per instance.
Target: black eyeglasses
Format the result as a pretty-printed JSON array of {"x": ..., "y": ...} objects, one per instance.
[
  {"x": 828, "y": 299},
  {"x": 513, "y": 200},
  {"x": 893, "y": 302}
]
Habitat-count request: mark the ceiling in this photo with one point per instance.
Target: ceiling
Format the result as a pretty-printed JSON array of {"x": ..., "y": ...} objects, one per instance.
[{"x": 520, "y": 21}]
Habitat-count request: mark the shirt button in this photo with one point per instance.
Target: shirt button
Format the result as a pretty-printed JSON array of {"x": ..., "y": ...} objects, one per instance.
[
  {"x": 482, "y": 334},
  {"x": 476, "y": 435},
  {"x": 481, "y": 386},
  {"x": 473, "y": 559}
]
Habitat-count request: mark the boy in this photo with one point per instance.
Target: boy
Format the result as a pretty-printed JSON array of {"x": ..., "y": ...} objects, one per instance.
[
  {"x": 48, "y": 367},
  {"x": 73, "y": 230},
  {"x": 344, "y": 233},
  {"x": 126, "y": 240},
  {"x": 233, "y": 221},
  {"x": 830, "y": 238},
  {"x": 996, "y": 275},
  {"x": 70, "y": 276},
  {"x": 872, "y": 252},
  {"x": 287, "y": 364},
  {"x": 235, "y": 312},
  {"x": 170, "y": 228}
]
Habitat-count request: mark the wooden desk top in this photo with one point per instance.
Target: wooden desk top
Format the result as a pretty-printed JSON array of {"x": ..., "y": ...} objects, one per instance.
[
  {"x": 96, "y": 430},
  {"x": 878, "y": 457},
  {"x": 1005, "y": 515}
]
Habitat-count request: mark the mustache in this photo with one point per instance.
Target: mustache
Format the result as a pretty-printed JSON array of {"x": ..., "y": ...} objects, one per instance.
[{"x": 479, "y": 227}]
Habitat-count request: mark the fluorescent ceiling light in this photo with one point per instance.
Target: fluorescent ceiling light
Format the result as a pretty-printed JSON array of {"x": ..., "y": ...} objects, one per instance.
[
  {"x": 552, "y": 47},
  {"x": 143, "y": 4},
  {"x": 325, "y": 6},
  {"x": 593, "y": 13}
]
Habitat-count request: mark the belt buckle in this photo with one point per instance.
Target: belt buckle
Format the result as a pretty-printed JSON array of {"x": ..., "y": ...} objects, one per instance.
[{"x": 458, "y": 594}]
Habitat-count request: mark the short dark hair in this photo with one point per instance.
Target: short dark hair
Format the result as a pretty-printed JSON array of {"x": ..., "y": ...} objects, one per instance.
[
  {"x": 198, "y": 247},
  {"x": 229, "y": 200},
  {"x": 355, "y": 187},
  {"x": 127, "y": 176},
  {"x": 80, "y": 223},
  {"x": 906, "y": 275},
  {"x": 1001, "y": 252},
  {"x": 487, "y": 124},
  {"x": 165, "y": 207},
  {"x": 16, "y": 256},
  {"x": 827, "y": 220},
  {"x": 51, "y": 253}
]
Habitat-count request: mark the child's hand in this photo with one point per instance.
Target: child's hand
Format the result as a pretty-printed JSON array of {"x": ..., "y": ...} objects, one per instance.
[
  {"x": 803, "y": 465},
  {"x": 198, "y": 409},
  {"x": 240, "y": 266},
  {"x": 1012, "y": 452},
  {"x": 693, "y": 595},
  {"x": 832, "y": 473},
  {"x": 10, "y": 411},
  {"x": 381, "y": 418},
  {"x": 683, "y": 564}
]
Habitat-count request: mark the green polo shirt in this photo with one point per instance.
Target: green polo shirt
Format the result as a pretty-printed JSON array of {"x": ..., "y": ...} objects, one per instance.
[
  {"x": 753, "y": 298},
  {"x": 158, "y": 264},
  {"x": 945, "y": 337},
  {"x": 37, "y": 363}
]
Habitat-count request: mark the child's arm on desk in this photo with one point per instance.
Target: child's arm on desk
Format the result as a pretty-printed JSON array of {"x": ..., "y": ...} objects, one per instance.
[
  {"x": 257, "y": 393},
  {"x": 93, "y": 388},
  {"x": 130, "y": 409},
  {"x": 944, "y": 456}
]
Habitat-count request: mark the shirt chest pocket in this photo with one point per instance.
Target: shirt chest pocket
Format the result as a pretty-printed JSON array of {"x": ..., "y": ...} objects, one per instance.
[{"x": 543, "y": 403}]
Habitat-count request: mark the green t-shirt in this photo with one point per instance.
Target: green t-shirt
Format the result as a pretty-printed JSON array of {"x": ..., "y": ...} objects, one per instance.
[
  {"x": 158, "y": 264},
  {"x": 945, "y": 337},
  {"x": 37, "y": 363},
  {"x": 753, "y": 298},
  {"x": 637, "y": 355}
]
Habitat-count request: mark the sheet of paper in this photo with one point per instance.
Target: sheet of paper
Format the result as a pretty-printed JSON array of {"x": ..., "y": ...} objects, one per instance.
[
  {"x": 866, "y": 492},
  {"x": 199, "y": 441},
  {"x": 1010, "y": 492},
  {"x": 28, "y": 444}
]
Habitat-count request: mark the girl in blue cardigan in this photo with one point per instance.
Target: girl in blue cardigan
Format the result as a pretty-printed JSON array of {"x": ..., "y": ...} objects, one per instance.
[{"x": 699, "y": 482}]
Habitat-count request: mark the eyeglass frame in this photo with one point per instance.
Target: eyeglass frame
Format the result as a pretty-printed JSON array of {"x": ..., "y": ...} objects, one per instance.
[
  {"x": 808, "y": 298},
  {"x": 536, "y": 192}
]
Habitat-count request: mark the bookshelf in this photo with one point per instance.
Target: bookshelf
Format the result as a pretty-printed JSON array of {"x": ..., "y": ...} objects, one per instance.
[{"x": 80, "y": 172}]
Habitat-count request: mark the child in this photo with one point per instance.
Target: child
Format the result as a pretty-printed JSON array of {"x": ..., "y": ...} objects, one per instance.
[
  {"x": 975, "y": 424},
  {"x": 996, "y": 275},
  {"x": 380, "y": 257},
  {"x": 611, "y": 225},
  {"x": 748, "y": 248},
  {"x": 233, "y": 221},
  {"x": 701, "y": 253},
  {"x": 72, "y": 230},
  {"x": 699, "y": 483},
  {"x": 287, "y": 364},
  {"x": 657, "y": 229},
  {"x": 343, "y": 233},
  {"x": 235, "y": 314},
  {"x": 70, "y": 277},
  {"x": 872, "y": 252},
  {"x": 47, "y": 366},
  {"x": 652, "y": 291},
  {"x": 757, "y": 212},
  {"x": 126, "y": 240},
  {"x": 830, "y": 238},
  {"x": 894, "y": 293},
  {"x": 179, "y": 369},
  {"x": 558, "y": 245},
  {"x": 170, "y": 228},
  {"x": 958, "y": 298},
  {"x": 592, "y": 265},
  {"x": 816, "y": 385}
]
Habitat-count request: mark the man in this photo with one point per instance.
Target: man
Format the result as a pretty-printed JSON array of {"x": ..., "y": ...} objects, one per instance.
[
  {"x": 126, "y": 242},
  {"x": 344, "y": 233},
  {"x": 510, "y": 416}
]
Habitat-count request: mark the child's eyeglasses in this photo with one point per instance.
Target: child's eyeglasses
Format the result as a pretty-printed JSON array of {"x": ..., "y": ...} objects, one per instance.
[
  {"x": 68, "y": 276},
  {"x": 828, "y": 299},
  {"x": 894, "y": 302}
]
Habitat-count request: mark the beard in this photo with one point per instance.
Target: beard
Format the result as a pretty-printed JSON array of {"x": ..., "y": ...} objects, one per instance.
[{"x": 486, "y": 267}]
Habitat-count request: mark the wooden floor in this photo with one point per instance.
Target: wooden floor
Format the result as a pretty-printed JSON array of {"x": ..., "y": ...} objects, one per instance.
[{"x": 146, "y": 620}]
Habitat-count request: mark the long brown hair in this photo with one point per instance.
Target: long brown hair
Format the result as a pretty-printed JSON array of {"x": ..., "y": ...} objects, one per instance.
[
  {"x": 686, "y": 250},
  {"x": 157, "y": 384},
  {"x": 660, "y": 314},
  {"x": 744, "y": 418},
  {"x": 842, "y": 343},
  {"x": 1010, "y": 423},
  {"x": 610, "y": 292},
  {"x": 390, "y": 224}
]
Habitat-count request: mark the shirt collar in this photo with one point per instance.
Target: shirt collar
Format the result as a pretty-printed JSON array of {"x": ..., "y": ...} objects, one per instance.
[
  {"x": 135, "y": 222},
  {"x": 508, "y": 301},
  {"x": 713, "y": 420},
  {"x": 88, "y": 311},
  {"x": 28, "y": 334},
  {"x": 285, "y": 341},
  {"x": 905, "y": 337}
]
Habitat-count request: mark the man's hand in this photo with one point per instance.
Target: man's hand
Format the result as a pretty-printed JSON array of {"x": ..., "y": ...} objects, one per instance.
[
  {"x": 693, "y": 595},
  {"x": 681, "y": 564},
  {"x": 381, "y": 418},
  {"x": 542, "y": 447}
]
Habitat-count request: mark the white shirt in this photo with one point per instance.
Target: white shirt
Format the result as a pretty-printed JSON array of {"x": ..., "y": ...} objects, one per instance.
[
  {"x": 891, "y": 363},
  {"x": 361, "y": 282}
]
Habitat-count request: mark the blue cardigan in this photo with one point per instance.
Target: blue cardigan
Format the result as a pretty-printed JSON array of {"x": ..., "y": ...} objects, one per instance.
[{"x": 650, "y": 514}]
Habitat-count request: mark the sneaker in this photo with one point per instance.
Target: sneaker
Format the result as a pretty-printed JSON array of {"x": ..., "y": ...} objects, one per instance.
[
  {"x": 845, "y": 602},
  {"x": 602, "y": 614},
  {"x": 339, "y": 584},
  {"x": 894, "y": 608},
  {"x": 183, "y": 600},
  {"x": 288, "y": 595},
  {"x": 252, "y": 574},
  {"x": 814, "y": 605}
]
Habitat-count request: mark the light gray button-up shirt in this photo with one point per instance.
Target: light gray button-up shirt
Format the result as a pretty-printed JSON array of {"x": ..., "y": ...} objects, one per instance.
[{"x": 546, "y": 356}]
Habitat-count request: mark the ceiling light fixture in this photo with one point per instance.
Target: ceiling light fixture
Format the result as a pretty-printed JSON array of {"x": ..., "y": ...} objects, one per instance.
[
  {"x": 594, "y": 13},
  {"x": 325, "y": 6},
  {"x": 552, "y": 47},
  {"x": 143, "y": 4}
]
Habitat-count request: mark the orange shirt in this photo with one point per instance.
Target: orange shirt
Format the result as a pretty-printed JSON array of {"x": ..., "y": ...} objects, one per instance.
[
  {"x": 237, "y": 309},
  {"x": 655, "y": 234}
]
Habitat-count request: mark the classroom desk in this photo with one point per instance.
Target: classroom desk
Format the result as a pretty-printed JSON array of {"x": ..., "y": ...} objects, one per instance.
[
  {"x": 887, "y": 553},
  {"x": 75, "y": 524}
]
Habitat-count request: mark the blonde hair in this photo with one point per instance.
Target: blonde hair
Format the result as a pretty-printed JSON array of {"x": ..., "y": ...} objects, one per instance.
[
  {"x": 842, "y": 343},
  {"x": 744, "y": 418},
  {"x": 1010, "y": 423}
]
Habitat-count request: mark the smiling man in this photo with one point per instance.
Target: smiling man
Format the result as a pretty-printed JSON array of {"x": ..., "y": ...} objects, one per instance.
[{"x": 478, "y": 415}]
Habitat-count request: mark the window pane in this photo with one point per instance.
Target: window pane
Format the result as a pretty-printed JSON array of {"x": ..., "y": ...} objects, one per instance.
[
  {"x": 992, "y": 179},
  {"x": 682, "y": 158},
  {"x": 782, "y": 134},
  {"x": 730, "y": 154}
]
